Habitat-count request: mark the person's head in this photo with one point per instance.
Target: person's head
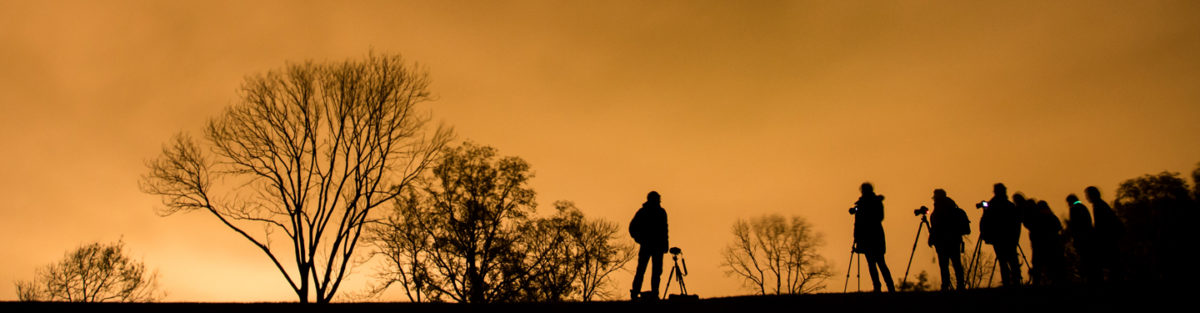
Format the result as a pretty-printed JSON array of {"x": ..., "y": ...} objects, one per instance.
[
  {"x": 1093, "y": 194},
  {"x": 939, "y": 194},
  {"x": 1044, "y": 207},
  {"x": 1072, "y": 200},
  {"x": 867, "y": 189},
  {"x": 1018, "y": 198},
  {"x": 1000, "y": 190},
  {"x": 653, "y": 197}
]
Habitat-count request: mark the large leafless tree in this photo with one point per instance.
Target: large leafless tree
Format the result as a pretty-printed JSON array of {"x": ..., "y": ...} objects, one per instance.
[
  {"x": 297, "y": 164},
  {"x": 777, "y": 255},
  {"x": 93, "y": 272}
]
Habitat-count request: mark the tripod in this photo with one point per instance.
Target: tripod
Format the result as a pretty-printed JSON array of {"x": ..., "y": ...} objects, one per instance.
[
  {"x": 924, "y": 224},
  {"x": 677, "y": 274},
  {"x": 974, "y": 260},
  {"x": 992, "y": 273},
  {"x": 846, "y": 284}
]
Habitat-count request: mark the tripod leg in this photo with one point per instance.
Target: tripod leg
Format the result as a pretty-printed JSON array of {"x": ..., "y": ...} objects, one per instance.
[
  {"x": 972, "y": 276},
  {"x": 904, "y": 282},
  {"x": 849, "y": 265},
  {"x": 992, "y": 274},
  {"x": 682, "y": 287},
  {"x": 859, "y": 275},
  {"x": 667, "y": 289},
  {"x": 1027, "y": 264}
]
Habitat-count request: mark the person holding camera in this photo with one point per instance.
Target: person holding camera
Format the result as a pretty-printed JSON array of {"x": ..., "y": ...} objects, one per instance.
[
  {"x": 649, "y": 229},
  {"x": 868, "y": 234},
  {"x": 1000, "y": 226},
  {"x": 947, "y": 225}
]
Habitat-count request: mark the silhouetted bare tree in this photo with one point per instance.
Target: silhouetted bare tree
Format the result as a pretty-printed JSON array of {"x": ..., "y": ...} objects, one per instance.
[
  {"x": 578, "y": 268},
  {"x": 467, "y": 233},
  {"x": 308, "y": 151},
  {"x": 777, "y": 255},
  {"x": 471, "y": 211},
  {"x": 93, "y": 273}
]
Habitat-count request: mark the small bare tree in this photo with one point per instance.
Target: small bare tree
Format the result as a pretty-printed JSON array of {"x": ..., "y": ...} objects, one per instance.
[
  {"x": 304, "y": 156},
  {"x": 93, "y": 273},
  {"x": 777, "y": 255}
]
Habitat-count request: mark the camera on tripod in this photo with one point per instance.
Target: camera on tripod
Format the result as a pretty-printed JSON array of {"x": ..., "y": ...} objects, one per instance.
[
  {"x": 981, "y": 205},
  {"x": 678, "y": 272},
  {"x": 922, "y": 211}
]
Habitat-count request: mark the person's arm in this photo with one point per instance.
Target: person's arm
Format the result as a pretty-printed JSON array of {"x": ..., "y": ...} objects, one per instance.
[{"x": 666, "y": 233}]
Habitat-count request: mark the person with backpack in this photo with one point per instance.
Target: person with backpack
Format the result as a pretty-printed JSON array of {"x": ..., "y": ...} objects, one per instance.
[
  {"x": 947, "y": 225},
  {"x": 649, "y": 229}
]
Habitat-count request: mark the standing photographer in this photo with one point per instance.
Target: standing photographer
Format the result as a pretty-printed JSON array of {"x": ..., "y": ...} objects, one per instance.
[
  {"x": 1000, "y": 226},
  {"x": 1079, "y": 225},
  {"x": 947, "y": 224},
  {"x": 868, "y": 234},
  {"x": 1107, "y": 229},
  {"x": 649, "y": 229}
]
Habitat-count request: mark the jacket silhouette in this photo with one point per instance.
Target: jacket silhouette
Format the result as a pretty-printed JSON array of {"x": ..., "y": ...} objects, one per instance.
[
  {"x": 948, "y": 223},
  {"x": 868, "y": 225},
  {"x": 1000, "y": 223},
  {"x": 649, "y": 227}
]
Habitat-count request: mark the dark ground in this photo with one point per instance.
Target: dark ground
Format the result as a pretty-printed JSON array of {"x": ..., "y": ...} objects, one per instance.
[{"x": 1126, "y": 299}]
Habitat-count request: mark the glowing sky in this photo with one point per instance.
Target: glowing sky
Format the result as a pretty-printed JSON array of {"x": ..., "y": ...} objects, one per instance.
[{"x": 729, "y": 109}]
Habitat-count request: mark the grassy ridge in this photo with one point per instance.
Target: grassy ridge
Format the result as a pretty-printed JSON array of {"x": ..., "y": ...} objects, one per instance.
[{"x": 981, "y": 300}]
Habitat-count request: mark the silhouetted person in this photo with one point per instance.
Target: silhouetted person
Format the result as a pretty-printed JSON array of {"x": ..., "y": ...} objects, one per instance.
[
  {"x": 1080, "y": 228},
  {"x": 1046, "y": 243},
  {"x": 1000, "y": 226},
  {"x": 868, "y": 235},
  {"x": 1107, "y": 230},
  {"x": 649, "y": 229},
  {"x": 947, "y": 224}
]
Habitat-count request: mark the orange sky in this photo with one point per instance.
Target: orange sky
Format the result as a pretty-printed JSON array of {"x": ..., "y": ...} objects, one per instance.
[{"x": 729, "y": 110}]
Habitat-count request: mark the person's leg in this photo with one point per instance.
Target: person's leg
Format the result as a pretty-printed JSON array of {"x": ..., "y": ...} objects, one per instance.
[
  {"x": 656, "y": 271},
  {"x": 1015, "y": 266},
  {"x": 887, "y": 274},
  {"x": 1002, "y": 263},
  {"x": 1010, "y": 267},
  {"x": 944, "y": 267},
  {"x": 642, "y": 259},
  {"x": 959, "y": 279},
  {"x": 876, "y": 261},
  {"x": 871, "y": 262}
]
